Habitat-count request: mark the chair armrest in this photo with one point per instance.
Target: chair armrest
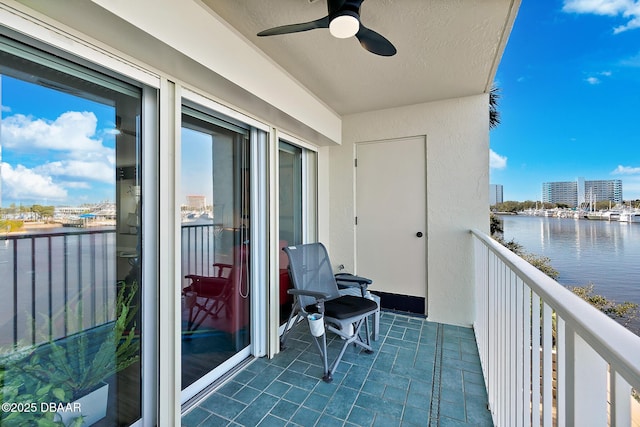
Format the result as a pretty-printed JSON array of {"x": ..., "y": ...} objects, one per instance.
[
  {"x": 315, "y": 294},
  {"x": 347, "y": 280},
  {"x": 347, "y": 277},
  {"x": 344, "y": 284}
]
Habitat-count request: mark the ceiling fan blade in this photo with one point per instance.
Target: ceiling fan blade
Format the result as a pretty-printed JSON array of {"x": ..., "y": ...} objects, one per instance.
[
  {"x": 374, "y": 42},
  {"x": 296, "y": 28},
  {"x": 335, "y": 6}
]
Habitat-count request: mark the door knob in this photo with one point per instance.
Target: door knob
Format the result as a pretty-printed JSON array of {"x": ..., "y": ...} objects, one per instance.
[{"x": 419, "y": 234}]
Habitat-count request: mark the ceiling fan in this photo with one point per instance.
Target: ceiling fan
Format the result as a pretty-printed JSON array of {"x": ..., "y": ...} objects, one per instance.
[{"x": 343, "y": 21}]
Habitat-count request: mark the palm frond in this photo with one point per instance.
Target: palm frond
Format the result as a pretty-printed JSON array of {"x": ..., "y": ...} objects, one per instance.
[{"x": 494, "y": 114}]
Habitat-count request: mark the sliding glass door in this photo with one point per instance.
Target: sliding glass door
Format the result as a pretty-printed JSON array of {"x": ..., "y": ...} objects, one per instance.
[
  {"x": 215, "y": 211},
  {"x": 290, "y": 201},
  {"x": 70, "y": 242},
  {"x": 297, "y": 202}
]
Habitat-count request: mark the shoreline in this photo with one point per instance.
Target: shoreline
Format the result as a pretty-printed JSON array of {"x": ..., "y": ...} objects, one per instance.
[{"x": 35, "y": 227}]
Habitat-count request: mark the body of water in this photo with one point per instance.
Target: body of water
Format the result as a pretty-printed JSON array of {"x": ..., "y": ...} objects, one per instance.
[
  {"x": 605, "y": 254},
  {"x": 45, "y": 272}
]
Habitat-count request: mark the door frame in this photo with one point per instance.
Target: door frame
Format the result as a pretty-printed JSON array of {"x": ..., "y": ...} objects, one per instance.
[
  {"x": 392, "y": 300},
  {"x": 309, "y": 190},
  {"x": 258, "y": 153}
]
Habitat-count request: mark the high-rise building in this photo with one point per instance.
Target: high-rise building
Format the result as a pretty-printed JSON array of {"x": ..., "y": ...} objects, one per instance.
[
  {"x": 198, "y": 202},
  {"x": 603, "y": 190},
  {"x": 575, "y": 193},
  {"x": 495, "y": 194},
  {"x": 560, "y": 192}
]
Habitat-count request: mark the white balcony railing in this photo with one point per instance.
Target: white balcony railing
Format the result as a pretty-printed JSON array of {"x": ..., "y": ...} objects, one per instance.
[{"x": 548, "y": 357}]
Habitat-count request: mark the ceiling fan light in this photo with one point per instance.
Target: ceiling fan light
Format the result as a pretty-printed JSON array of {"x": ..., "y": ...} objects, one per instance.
[{"x": 345, "y": 25}]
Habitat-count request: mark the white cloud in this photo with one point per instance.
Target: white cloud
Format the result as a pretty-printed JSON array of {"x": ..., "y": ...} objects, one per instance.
[
  {"x": 497, "y": 161},
  {"x": 626, "y": 170},
  {"x": 599, "y": 7},
  {"x": 25, "y": 184},
  {"x": 595, "y": 79},
  {"x": 631, "y": 25},
  {"x": 71, "y": 139},
  {"x": 632, "y": 61},
  {"x": 77, "y": 185},
  {"x": 91, "y": 170},
  {"x": 72, "y": 131},
  {"x": 629, "y": 9}
]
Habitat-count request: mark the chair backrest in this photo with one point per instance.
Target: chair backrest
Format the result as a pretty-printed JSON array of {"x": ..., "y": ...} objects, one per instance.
[{"x": 311, "y": 270}]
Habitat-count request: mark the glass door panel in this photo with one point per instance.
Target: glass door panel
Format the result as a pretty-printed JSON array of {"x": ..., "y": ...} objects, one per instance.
[
  {"x": 290, "y": 203},
  {"x": 215, "y": 246},
  {"x": 70, "y": 315}
]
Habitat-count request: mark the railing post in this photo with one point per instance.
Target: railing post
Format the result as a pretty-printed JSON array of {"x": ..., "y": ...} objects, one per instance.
[
  {"x": 15, "y": 293},
  {"x": 519, "y": 353},
  {"x": 492, "y": 346},
  {"x": 65, "y": 281},
  {"x": 561, "y": 369},
  {"x": 586, "y": 383},
  {"x": 526, "y": 357},
  {"x": 33, "y": 291},
  {"x": 535, "y": 360},
  {"x": 547, "y": 365},
  {"x": 620, "y": 405}
]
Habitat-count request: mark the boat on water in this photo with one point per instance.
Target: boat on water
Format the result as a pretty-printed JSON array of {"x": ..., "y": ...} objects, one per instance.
[
  {"x": 594, "y": 216},
  {"x": 611, "y": 215},
  {"x": 629, "y": 217}
]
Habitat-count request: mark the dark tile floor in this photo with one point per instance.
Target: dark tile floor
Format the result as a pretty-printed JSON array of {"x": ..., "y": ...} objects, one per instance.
[{"x": 421, "y": 374}]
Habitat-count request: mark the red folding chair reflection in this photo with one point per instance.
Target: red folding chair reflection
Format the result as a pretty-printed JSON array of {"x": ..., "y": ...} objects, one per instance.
[{"x": 219, "y": 301}]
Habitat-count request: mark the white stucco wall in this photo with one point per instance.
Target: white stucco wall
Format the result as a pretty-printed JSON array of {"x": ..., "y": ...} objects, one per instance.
[
  {"x": 457, "y": 134},
  {"x": 230, "y": 56}
]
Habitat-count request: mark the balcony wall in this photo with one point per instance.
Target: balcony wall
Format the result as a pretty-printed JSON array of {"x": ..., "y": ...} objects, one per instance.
[
  {"x": 457, "y": 139},
  {"x": 547, "y": 356}
]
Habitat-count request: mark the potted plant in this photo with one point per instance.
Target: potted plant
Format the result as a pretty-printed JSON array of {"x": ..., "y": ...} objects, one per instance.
[{"x": 52, "y": 377}]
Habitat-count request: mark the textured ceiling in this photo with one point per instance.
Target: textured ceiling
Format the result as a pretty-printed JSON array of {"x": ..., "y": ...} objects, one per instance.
[{"x": 446, "y": 48}]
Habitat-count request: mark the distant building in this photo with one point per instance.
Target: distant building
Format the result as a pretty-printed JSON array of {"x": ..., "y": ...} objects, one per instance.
[
  {"x": 560, "y": 192},
  {"x": 495, "y": 194},
  {"x": 603, "y": 190},
  {"x": 196, "y": 202},
  {"x": 575, "y": 193}
]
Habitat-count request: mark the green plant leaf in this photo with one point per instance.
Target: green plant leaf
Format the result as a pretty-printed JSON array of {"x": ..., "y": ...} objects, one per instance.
[
  {"x": 77, "y": 422},
  {"x": 44, "y": 390},
  {"x": 59, "y": 394},
  {"x": 43, "y": 422}
]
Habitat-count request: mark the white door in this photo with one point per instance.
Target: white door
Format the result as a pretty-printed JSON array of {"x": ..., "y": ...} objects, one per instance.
[{"x": 391, "y": 236}]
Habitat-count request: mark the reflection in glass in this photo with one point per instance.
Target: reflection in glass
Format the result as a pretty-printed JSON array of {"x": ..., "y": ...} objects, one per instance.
[
  {"x": 290, "y": 219},
  {"x": 215, "y": 245},
  {"x": 70, "y": 321}
]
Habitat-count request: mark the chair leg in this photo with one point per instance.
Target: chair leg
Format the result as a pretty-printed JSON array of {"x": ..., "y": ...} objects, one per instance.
[
  {"x": 368, "y": 340},
  {"x": 355, "y": 339},
  {"x": 327, "y": 375}
]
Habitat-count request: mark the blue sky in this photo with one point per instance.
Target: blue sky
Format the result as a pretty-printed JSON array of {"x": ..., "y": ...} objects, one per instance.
[
  {"x": 570, "y": 97},
  {"x": 570, "y": 107},
  {"x": 58, "y": 152}
]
